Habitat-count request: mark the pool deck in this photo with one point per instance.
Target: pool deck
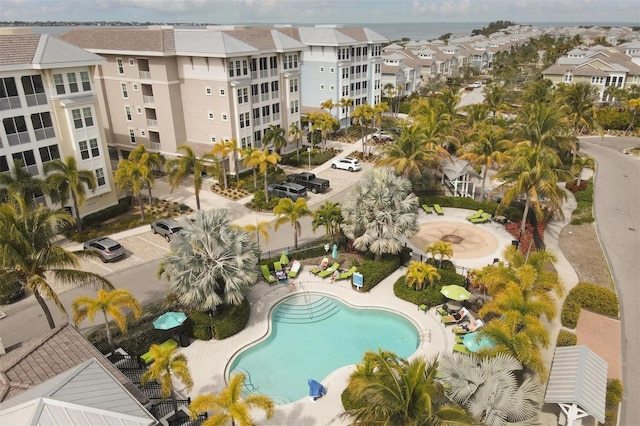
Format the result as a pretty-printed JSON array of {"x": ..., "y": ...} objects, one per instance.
[{"x": 208, "y": 360}]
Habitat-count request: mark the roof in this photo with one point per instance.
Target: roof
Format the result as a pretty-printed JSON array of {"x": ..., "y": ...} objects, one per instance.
[
  {"x": 88, "y": 386},
  {"x": 456, "y": 167},
  {"x": 578, "y": 376},
  {"x": 159, "y": 40},
  {"x": 44, "y": 357}
]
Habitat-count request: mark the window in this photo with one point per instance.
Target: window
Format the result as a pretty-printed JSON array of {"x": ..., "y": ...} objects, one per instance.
[
  {"x": 343, "y": 53},
  {"x": 568, "y": 77},
  {"x": 48, "y": 153},
  {"x": 208, "y": 91},
  {"x": 223, "y": 92},
  {"x": 243, "y": 95},
  {"x": 131, "y": 62},
  {"x": 238, "y": 68},
  {"x": 290, "y": 61},
  {"x": 59, "y": 82},
  {"x": 345, "y": 90},
  {"x": 125, "y": 91},
  {"x": 294, "y": 107},
  {"x": 275, "y": 86},
  {"x": 345, "y": 72},
  {"x": 127, "y": 113},
  {"x": 244, "y": 120},
  {"x": 42, "y": 125},
  {"x": 86, "y": 81},
  {"x": 213, "y": 139},
  {"x": 322, "y": 87},
  {"x": 321, "y": 69},
  {"x": 139, "y": 111},
  {"x": 273, "y": 62},
  {"x": 264, "y": 88},
  {"x": 9, "y": 97},
  {"x": 16, "y": 129},
  {"x": 275, "y": 108},
  {"x": 4, "y": 164},
  {"x": 28, "y": 160},
  {"x": 84, "y": 150},
  {"x": 100, "y": 177},
  {"x": 73, "y": 83},
  {"x": 332, "y": 87},
  {"x": 34, "y": 90},
  {"x": 135, "y": 87},
  {"x": 120, "y": 66},
  {"x": 95, "y": 150},
  {"x": 88, "y": 117},
  {"x": 211, "y": 116},
  {"x": 132, "y": 136},
  {"x": 82, "y": 120},
  {"x": 332, "y": 70},
  {"x": 293, "y": 85},
  {"x": 245, "y": 142},
  {"x": 266, "y": 110},
  {"x": 143, "y": 133},
  {"x": 225, "y": 117}
]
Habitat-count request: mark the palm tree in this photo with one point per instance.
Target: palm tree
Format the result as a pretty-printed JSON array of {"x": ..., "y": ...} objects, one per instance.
[
  {"x": 21, "y": 183},
  {"x": 131, "y": 176},
  {"x": 579, "y": 164},
  {"x": 211, "y": 263},
  {"x": 495, "y": 99},
  {"x": 380, "y": 211},
  {"x": 363, "y": 115},
  {"x": 489, "y": 389},
  {"x": 109, "y": 302},
  {"x": 263, "y": 159},
  {"x": 166, "y": 365},
  {"x": 393, "y": 391},
  {"x": 150, "y": 161},
  {"x": 419, "y": 272},
  {"x": 329, "y": 105},
  {"x": 328, "y": 215},
  {"x": 291, "y": 212},
  {"x": 441, "y": 249},
  {"x": 222, "y": 150},
  {"x": 296, "y": 134},
  {"x": 325, "y": 123},
  {"x": 250, "y": 157},
  {"x": 275, "y": 136},
  {"x": 260, "y": 228},
  {"x": 230, "y": 406},
  {"x": 28, "y": 255},
  {"x": 347, "y": 103},
  {"x": 541, "y": 125},
  {"x": 179, "y": 168},
  {"x": 487, "y": 148},
  {"x": 65, "y": 178}
]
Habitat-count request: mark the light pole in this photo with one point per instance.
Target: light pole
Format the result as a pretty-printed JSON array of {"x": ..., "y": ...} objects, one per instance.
[{"x": 309, "y": 152}]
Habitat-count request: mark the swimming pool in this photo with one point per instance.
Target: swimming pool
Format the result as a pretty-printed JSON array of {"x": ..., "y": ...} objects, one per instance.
[{"x": 313, "y": 335}]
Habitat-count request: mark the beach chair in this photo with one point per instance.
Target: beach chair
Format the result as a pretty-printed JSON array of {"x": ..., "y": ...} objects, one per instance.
[
  {"x": 267, "y": 274},
  {"x": 461, "y": 348},
  {"x": 147, "y": 358},
  {"x": 442, "y": 311},
  {"x": 475, "y": 325},
  {"x": 277, "y": 266},
  {"x": 321, "y": 267},
  {"x": 475, "y": 215},
  {"x": 427, "y": 209},
  {"x": 347, "y": 274},
  {"x": 295, "y": 268},
  {"x": 482, "y": 219},
  {"x": 330, "y": 270},
  {"x": 438, "y": 209}
]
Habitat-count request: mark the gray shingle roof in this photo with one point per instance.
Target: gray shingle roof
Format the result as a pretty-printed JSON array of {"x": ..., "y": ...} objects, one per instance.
[
  {"x": 41, "y": 51},
  {"x": 157, "y": 40}
]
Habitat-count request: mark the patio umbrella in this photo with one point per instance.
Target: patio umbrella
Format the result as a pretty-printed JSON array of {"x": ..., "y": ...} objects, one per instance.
[
  {"x": 316, "y": 390},
  {"x": 475, "y": 343},
  {"x": 169, "y": 320},
  {"x": 334, "y": 252},
  {"x": 284, "y": 259},
  {"x": 455, "y": 292}
]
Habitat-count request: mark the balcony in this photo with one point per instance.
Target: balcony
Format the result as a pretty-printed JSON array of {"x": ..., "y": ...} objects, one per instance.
[
  {"x": 148, "y": 99},
  {"x": 145, "y": 75},
  {"x": 152, "y": 122},
  {"x": 155, "y": 145},
  {"x": 255, "y": 99},
  {"x": 275, "y": 95}
]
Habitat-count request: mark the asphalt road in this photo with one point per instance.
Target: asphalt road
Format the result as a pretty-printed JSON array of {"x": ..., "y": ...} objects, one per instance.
[{"x": 617, "y": 213}]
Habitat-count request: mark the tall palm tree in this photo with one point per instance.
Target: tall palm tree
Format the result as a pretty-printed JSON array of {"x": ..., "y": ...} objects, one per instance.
[
  {"x": 166, "y": 366},
  {"x": 263, "y": 159},
  {"x": 441, "y": 249},
  {"x": 20, "y": 182},
  {"x": 211, "y": 263},
  {"x": 250, "y": 157},
  {"x": 260, "y": 228},
  {"x": 395, "y": 391},
  {"x": 577, "y": 103},
  {"x": 291, "y": 212},
  {"x": 325, "y": 123},
  {"x": 28, "y": 255},
  {"x": 328, "y": 215},
  {"x": 295, "y": 133},
  {"x": 541, "y": 124},
  {"x": 380, "y": 211},
  {"x": 495, "y": 99},
  {"x": 179, "y": 168},
  {"x": 419, "y": 272},
  {"x": 222, "y": 150},
  {"x": 348, "y": 104},
  {"x": 64, "y": 178},
  {"x": 487, "y": 148},
  {"x": 363, "y": 115},
  {"x": 229, "y": 405},
  {"x": 275, "y": 136},
  {"x": 489, "y": 389},
  {"x": 329, "y": 105},
  {"x": 150, "y": 161},
  {"x": 131, "y": 175},
  {"x": 108, "y": 302}
]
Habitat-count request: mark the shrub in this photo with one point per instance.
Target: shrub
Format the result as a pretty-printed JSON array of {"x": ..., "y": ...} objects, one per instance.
[
  {"x": 615, "y": 119},
  {"x": 260, "y": 202},
  {"x": 124, "y": 204},
  {"x": 200, "y": 325},
  {"x": 231, "y": 319},
  {"x": 589, "y": 296},
  {"x": 613, "y": 398},
  {"x": 513, "y": 212},
  {"x": 349, "y": 403},
  {"x": 375, "y": 271},
  {"x": 566, "y": 338}
]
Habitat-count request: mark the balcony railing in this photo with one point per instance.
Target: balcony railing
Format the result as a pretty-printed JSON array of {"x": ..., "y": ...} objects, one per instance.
[
  {"x": 265, "y": 96},
  {"x": 275, "y": 95},
  {"x": 154, "y": 145},
  {"x": 255, "y": 98},
  {"x": 152, "y": 122},
  {"x": 145, "y": 75},
  {"x": 147, "y": 99},
  {"x": 256, "y": 121}
]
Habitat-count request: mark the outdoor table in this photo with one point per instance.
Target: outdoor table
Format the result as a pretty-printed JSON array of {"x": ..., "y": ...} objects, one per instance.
[
  {"x": 281, "y": 275},
  {"x": 454, "y": 305},
  {"x": 500, "y": 219}
]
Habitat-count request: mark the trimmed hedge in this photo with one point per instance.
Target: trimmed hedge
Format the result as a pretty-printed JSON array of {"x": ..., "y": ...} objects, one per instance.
[
  {"x": 231, "y": 319},
  {"x": 512, "y": 213},
  {"x": 430, "y": 293},
  {"x": 200, "y": 325},
  {"x": 124, "y": 204},
  {"x": 589, "y": 296},
  {"x": 566, "y": 338},
  {"x": 374, "y": 271},
  {"x": 613, "y": 398}
]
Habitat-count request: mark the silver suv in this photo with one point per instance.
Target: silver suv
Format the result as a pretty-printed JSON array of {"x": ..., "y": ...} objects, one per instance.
[
  {"x": 166, "y": 227},
  {"x": 287, "y": 190},
  {"x": 108, "y": 249}
]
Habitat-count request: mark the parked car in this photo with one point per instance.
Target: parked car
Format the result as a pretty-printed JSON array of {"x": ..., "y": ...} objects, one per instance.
[
  {"x": 287, "y": 190},
  {"x": 348, "y": 163},
  {"x": 11, "y": 292},
  {"x": 166, "y": 227},
  {"x": 309, "y": 181},
  {"x": 108, "y": 249},
  {"x": 382, "y": 136}
]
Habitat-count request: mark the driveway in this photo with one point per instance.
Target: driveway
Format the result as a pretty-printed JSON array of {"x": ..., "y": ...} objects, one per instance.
[{"x": 617, "y": 213}]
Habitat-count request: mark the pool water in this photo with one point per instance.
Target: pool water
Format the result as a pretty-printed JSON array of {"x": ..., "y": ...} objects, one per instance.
[{"x": 313, "y": 335}]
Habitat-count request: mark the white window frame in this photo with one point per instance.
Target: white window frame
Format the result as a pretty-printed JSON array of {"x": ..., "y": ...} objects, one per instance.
[
  {"x": 100, "y": 175},
  {"x": 119, "y": 66},
  {"x": 211, "y": 115},
  {"x": 132, "y": 136},
  {"x": 85, "y": 78},
  {"x": 139, "y": 110},
  {"x": 321, "y": 69},
  {"x": 131, "y": 62},
  {"x": 332, "y": 88},
  {"x": 322, "y": 87},
  {"x": 125, "y": 90},
  {"x": 222, "y": 92},
  {"x": 127, "y": 113},
  {"x": 225, "y": 117},
  {"x": 213, "y": 139},
  {"x": 208, "y": 91},
  {"x": 135, "y": 87}
]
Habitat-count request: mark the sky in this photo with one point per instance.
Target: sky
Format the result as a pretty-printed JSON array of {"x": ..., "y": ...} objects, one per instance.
[{"x": 322, "y": 11}]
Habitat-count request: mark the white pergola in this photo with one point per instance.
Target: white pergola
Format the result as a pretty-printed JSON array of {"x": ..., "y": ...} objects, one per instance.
[{"x": 460, "y": 175}]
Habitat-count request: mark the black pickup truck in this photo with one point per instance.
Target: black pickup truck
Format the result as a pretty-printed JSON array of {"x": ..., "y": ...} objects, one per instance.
[{"x": 309, "y": 181}]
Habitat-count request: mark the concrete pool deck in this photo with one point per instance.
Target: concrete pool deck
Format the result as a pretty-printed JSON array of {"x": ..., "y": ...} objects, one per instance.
[{"x": 209, "y": 360}]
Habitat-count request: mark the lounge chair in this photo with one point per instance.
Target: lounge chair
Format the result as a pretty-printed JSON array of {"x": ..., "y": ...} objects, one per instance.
[
  {"x": 347, "y": 274},
  {"x": 442, "y": 311},
  {"x": 461, "y": 348},
  {"x": 451, "y": 319},
  {"x": 475, "y": 215},
  {"x": 424, "y": 306},
  {"x": 330, "y": 270},
  {"x": 321, "y": 267},
  {"x": 267, "y": 274},
  {"x": 468, "y": 328},
  {"x": 482, "y": 219},
  {"x": 148, "y": 357},
  {"x": 295, "y": 268},
  {"x": 277, "y": 266},
  {"x": 427, "y": 209},
  {"x": 438, "y": 209}
]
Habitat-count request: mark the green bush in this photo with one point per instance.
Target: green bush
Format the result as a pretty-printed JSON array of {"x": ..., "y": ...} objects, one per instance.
[
  {"x": 616, "y": 119},
  {"x": 349, "y": 403},
  {"x": 589, "y": 296},
  {"x": 200, "y": 325},
  {"x": 430, "y": 293},
  {"x": 566, "y": 338},
  {"x": 613, "y": 398},
  {"x": 374, "y": 271},
  {"x": 260, "y": 202},
  {"x": 124, "y": 204},
  {"x": 231, "y": 319}
]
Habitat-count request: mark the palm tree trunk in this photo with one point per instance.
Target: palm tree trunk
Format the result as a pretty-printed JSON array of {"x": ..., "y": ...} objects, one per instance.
[
  {"x": 109, "y": 336},
  {"x": 295, "y": 237},
  {"x": 224, "y": 174},
  {"x": 141, "y": 205},
  {"x": 524, "y": 215},
  {"x": 255, "y": 179},
  {"x": 484, "y": 180},
  {"x": 197, "y": 191},
  {"x": 174, "y": 401},
  {"x": 76, "y": 211},
  {"x": 150, "y": 196},
  {"x": 266, "y": 193},
  {"x": 45, "y": 308}
]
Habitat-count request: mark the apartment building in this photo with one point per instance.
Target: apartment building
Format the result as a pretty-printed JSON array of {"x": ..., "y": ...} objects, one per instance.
[{"x": 49, "y": 110}]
